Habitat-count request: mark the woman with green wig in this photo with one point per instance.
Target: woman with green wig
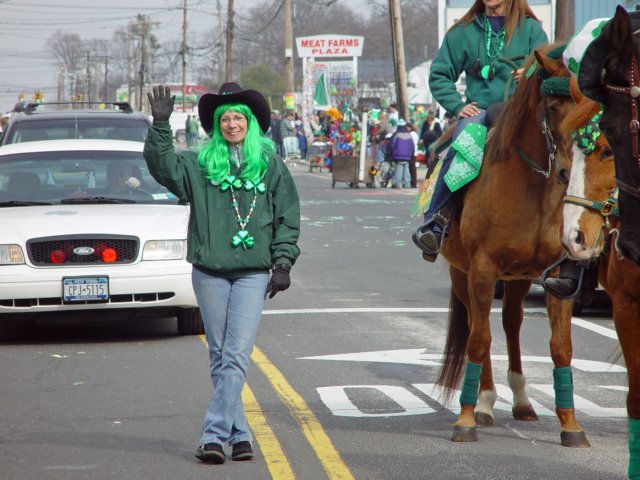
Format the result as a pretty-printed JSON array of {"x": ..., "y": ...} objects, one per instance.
[{"x": 244, "y": 224}]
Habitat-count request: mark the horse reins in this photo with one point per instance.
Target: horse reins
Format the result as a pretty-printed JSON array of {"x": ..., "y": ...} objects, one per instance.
[
  {"x": 551, "y": 148},
  {"x": 633, "y": 91}
]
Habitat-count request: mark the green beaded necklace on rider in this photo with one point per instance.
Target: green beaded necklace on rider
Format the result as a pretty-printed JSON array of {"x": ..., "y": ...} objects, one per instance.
[
  {"x": 492, "y": 48},
  {"x": 231, "y": 182}
]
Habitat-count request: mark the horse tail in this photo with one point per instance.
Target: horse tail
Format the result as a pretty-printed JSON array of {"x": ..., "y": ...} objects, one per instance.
[{"x": 453, "y": 357}]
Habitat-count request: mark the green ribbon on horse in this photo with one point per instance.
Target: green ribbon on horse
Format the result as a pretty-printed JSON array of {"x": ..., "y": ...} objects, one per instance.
[{"x": 469, "y": 147}]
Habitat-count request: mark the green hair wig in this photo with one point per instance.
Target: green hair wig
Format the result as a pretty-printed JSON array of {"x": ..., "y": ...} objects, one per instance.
[{"x": 214, "y": 155}]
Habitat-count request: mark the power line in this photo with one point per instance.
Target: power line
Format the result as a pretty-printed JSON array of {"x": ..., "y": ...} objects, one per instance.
[{"x": 80, "y": 7}]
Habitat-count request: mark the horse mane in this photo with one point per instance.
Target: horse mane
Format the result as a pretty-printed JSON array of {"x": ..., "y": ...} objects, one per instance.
[
  {"x": 584, "y": 110},
  {"x": 520, "y": 107},
  {"x": 507, "y": 127}
]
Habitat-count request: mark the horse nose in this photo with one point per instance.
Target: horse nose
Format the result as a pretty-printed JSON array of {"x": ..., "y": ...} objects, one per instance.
[
  {"x": 578, "y": 238},
  {"x": 563, "y": 176},
  {"x": 575, "y": 242}
]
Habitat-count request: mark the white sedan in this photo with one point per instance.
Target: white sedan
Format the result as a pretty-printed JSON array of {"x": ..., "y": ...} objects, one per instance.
[{"x": 87, "y": 232}]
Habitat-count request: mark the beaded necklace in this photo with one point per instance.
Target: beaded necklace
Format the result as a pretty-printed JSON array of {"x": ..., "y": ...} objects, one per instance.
[
  {"x": 493, "y": 49},
  {"x": 232, "y": 183}
]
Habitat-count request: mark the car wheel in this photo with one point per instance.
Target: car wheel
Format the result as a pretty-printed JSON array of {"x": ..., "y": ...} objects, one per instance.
[
  {"x": 190, "y": 322},
  {"x": 181, "y": 136}
]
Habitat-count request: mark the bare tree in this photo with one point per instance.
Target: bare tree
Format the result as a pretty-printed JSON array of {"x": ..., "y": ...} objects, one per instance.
[{"x": 66, "y": 49}]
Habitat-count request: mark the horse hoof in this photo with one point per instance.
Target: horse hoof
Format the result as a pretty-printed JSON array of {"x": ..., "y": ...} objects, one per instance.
[
  {"x": 464, "y": 434},
  {"x": 483, "y": 419},
  {"x": 574, "y": 439},
  {"x": 525, "y": 413}
]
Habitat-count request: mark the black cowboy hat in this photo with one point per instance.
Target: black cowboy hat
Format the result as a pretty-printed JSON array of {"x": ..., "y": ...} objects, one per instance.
[{"x": 231, "y": 92}]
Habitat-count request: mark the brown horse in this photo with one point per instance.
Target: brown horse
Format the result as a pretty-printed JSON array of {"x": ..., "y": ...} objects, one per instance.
[
  {"x": 616, "y": 83},
  {"x": 509, "y": 228}
]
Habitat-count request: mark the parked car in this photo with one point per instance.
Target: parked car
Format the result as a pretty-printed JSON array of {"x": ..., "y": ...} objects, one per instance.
[
  {"x": 57, "y": 121},
  {"x": 87, "y": 231}
]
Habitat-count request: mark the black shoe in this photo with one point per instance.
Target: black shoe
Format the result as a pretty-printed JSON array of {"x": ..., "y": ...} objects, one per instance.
[
  {"x": 562, "y": 287},
  {"x": 428, "y": 241},
  {"x": 211, "y": 453},
  {"x": 242, "y": 451}
]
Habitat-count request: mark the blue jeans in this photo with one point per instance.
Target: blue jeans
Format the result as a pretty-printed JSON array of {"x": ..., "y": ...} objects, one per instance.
[
  {"x": 380, "y": 153},
  {"x": 441, "y": 192},
  {"x": 231, "y": 310},
  {"x": 401, "y": 174}
]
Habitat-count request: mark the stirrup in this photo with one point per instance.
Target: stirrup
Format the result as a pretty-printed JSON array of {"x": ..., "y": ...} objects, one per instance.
[
  {"x": 547, "y": 288},
  {"x": 429, "y": 258}
]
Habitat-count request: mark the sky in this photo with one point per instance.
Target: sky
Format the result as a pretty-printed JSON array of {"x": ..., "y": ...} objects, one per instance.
[{"x": 25, "y": 26}]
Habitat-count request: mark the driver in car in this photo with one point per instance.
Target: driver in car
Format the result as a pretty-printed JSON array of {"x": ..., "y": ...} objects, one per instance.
[{"x": 120, "y": 177}]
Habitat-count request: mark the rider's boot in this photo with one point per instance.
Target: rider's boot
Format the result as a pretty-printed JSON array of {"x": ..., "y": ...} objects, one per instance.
[
  {"x": 577, "y": 280},
  {"x": 429, "y": 236}
]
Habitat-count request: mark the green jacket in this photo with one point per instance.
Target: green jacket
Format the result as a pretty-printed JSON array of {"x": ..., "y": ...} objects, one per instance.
[
  {"x": 274, "y": 224},
  {"x": 461, "y": 48}
]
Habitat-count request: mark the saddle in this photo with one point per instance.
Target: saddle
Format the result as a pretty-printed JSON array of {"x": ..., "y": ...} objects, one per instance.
[{"x": 441, "y": 146}]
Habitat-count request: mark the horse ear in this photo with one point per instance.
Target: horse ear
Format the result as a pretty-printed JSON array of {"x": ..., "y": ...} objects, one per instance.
[
  {"x": 620, "y": 34},
  {"x": 552, "y": 66}
]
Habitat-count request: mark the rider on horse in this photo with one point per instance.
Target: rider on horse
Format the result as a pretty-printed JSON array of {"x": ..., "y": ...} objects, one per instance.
[{"x": 490, "y": 29}]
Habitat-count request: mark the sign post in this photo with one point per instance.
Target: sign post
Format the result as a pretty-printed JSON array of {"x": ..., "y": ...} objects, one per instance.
[{"x": 363, "y": 146}]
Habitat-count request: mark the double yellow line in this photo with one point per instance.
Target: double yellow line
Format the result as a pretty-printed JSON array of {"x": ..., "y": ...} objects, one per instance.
[{"x": 274, "y": 456}]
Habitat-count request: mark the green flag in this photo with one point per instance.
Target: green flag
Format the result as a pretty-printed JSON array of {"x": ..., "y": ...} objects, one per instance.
[{"x": 320, "y": 97}]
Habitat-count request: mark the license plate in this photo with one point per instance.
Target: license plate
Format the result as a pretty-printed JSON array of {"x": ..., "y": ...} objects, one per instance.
[{"x": 81, "y": 289}]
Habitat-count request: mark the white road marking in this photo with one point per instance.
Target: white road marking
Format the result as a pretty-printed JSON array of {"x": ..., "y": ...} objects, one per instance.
[
  {"x": 578, "y": 322},
  {"x": 517, "y": 432},
  {"x": 297, "y": 311},
  {"x": 606, "y": 332},
  {"x": 585, "y": 406},
  {"x": 418, "y": 356},
  {"x": 336, "y": 399}
]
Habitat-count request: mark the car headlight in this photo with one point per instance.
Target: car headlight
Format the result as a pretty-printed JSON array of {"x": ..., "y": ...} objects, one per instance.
[
  {"x": 163, "y": 250},
  {"x": 11, "y": 254}
]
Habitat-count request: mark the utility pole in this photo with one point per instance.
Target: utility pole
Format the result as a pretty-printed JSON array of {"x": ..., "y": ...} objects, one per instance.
[
  {"x": 143, "y": 53},
  {"x": 106, "y": 79},
  {"x": 228, "y": 66},
  {"x": 88, "y": 77},
  {"x": 216, "y": 72},
  {"x": 60, "y": 89},
  {"x": 565, "y": 20},
  {"x": 145, "y": 24},
  {"x": 184, "y": 56},
  {"x": 398, "y": 57},
  {"x": 288, "y": 49}
]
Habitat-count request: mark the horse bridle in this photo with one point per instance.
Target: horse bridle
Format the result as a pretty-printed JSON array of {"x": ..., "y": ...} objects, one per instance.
[
  {"x": 551, "y": 148},
  {"x": 633, "y": 91}
]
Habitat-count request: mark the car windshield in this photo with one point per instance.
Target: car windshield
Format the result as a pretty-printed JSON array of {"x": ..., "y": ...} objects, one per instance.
[
  {"x": 79, "y": 177},
  {"x": 78, "y": 127}
]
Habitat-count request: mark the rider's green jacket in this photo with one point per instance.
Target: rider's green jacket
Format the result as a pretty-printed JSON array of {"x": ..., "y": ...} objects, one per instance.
[
  {"x": 463, "y": 48},
  {"x": 274, "y": 223}
]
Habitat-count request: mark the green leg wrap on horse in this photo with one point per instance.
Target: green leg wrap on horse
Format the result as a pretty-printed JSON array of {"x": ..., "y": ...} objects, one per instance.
[
  {"x": 471, "y": 384},
  {"x": 563, "y": 385},
  {"x": 634, "y": 449}
]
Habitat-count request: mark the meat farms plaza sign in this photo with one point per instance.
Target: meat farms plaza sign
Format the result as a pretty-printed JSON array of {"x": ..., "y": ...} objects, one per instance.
[{"x": 329, "y": 46}]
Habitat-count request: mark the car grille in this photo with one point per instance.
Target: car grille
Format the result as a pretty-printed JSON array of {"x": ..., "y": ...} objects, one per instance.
[
  {"x": 113, "y": 299},
  {"x": 82, "y": 250}
]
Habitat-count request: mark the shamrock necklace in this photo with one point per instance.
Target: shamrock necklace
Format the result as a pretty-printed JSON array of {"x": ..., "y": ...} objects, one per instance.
[
  {"x": 492, "y": 48},
  {"x": 231, "y": 183}
]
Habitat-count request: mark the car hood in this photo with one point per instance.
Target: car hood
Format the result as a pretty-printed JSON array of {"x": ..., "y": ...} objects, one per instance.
[{"x": 144, "y": 221}]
